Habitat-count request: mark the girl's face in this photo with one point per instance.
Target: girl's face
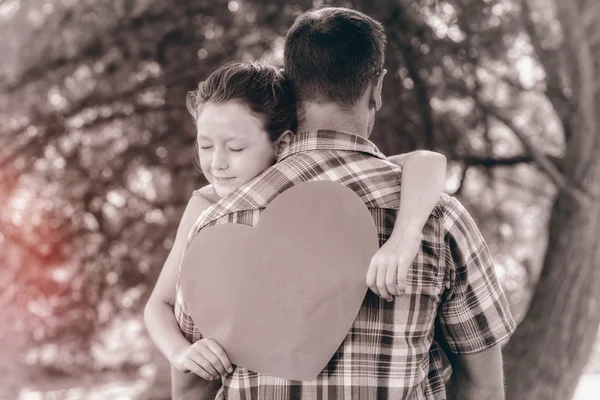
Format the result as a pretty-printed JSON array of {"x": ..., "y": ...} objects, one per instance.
[{"x": 233, "y": 145}]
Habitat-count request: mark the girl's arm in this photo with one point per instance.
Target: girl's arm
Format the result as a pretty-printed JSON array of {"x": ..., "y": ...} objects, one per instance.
[
  {"x": 423, "y": 178},
  {"x": 159, "y": 311}
]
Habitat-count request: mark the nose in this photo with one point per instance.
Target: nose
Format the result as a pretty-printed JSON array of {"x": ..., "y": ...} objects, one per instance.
[{"x": 219, "y": 160}]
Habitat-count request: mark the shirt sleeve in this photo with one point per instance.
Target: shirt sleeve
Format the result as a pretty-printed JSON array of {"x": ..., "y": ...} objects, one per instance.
[
  {"x": 474, "y": 314},
  {"x": 184, "y": 319}
]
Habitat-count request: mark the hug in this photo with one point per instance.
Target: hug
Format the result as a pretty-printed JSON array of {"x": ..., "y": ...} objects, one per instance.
[{"x": 431, "y": 323}]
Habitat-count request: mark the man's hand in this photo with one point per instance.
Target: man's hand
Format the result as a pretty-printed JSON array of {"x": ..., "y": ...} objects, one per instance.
[
  {"x": 389, "y": 266},
  {"x": 206, "y": 358}
]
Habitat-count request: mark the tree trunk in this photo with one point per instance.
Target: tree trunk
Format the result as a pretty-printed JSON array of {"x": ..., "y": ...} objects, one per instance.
[{"x": 547, "y": 354}]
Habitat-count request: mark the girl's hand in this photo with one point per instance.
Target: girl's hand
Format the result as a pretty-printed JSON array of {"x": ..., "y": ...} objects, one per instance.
[
  {"x": 206, "y": 358},
  {"x": 387, "y": 272}
]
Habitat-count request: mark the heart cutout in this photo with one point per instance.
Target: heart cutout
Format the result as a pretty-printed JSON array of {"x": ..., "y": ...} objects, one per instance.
[{"x": 281, "y": 297}]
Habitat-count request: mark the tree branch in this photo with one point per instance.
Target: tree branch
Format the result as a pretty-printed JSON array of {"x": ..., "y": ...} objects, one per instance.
[
  {"x": 114, "y": 36},
  {"x": 492, "y": 162},
  {"x": 550, "y": 169},
  {"x": 590, "y": 14},
  {"x": 512, "y": 82},
  {"x": 594, "y": 37},
  {"x": 549, "y": 61},
  {"x": 504, "y": 161},
  {"x": 534, "y": 191},
  {"x": 421, "y": 93},
  {"x": 544, "y": 163},
  {"x": 56, "y": 123},
  {"x": 584, "y": 75},
  {"x": 463, "y": 176}
]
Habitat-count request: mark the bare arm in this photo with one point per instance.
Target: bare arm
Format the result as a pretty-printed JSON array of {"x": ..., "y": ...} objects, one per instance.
[
  {"x": 159, "y": 312},
  {"x": 477, "y": 376},
  {"x": 423, "y": 176}
]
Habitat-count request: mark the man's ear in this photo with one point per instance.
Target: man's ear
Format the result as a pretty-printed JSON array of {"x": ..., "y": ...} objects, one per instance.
[
  {"x": 376, "y": 90},
  {"x": 283, "y": 141}
]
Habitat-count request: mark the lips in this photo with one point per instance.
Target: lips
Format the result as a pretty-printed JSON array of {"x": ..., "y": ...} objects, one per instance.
[{"x": 222, "y": 179}]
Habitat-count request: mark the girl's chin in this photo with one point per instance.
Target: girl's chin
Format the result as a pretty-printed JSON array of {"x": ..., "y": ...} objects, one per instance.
[{"x": 223, "y": 191}]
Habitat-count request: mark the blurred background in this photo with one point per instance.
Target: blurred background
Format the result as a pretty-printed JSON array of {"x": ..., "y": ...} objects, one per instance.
[{"x": 96, "y": 168}]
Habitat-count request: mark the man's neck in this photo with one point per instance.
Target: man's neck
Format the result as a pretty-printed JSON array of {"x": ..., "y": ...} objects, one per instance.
[{"x": 330, "y": 116}]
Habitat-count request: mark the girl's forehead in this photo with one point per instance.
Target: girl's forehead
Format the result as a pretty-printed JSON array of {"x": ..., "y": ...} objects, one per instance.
[{"x": 230, "y": 120}]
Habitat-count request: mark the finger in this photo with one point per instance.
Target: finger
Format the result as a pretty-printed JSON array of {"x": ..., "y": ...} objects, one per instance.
[
  {"x": 391, "y": 275},
  {"x": 401, "y": 278},
  {"x": 206, "y": 365},
  {"x": 403, "y": 269},
  {"x": 372, "y": 276},
  {"x": 214, "y": 361},
  {"x": 372, "y": 272},
  {"x": 218, "y": 351},
  {"x": 192, "y": 366},
  {"x": 381, "y": 272}
]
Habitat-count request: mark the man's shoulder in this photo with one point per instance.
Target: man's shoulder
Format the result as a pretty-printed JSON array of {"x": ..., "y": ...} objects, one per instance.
[
  {"x": 336, "y": 163},
  {"x": 445, "y": 205},
  {"x": 377, "y": 181},
  {"x": 455, "y": 218},
  {"x": 449, "y": 208},
  {"x": 344, "y": 155}
]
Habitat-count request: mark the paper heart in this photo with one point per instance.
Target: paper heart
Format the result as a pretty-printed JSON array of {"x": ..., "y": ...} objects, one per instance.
[{"x": 281, "y": 297}]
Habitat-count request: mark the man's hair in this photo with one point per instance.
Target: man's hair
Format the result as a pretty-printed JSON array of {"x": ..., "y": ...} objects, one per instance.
[
  {"x": 331, "y": 54},
  {"x": 261, "y": 86}
]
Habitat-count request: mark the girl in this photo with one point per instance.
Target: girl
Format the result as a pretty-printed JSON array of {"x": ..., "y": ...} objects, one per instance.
[{"x": 245, "y": 114}]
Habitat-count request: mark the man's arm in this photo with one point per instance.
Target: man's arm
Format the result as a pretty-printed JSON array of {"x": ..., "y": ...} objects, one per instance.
[
  {"x": 477, "y": 376},
  {"x": 474, "y": 314}
]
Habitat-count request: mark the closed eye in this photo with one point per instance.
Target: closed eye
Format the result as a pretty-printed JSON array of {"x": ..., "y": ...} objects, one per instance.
[{"x": 237, "y": 150}]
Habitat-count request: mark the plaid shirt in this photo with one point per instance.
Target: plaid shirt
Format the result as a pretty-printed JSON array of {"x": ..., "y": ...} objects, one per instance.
[{"x": 394, "y": 350}]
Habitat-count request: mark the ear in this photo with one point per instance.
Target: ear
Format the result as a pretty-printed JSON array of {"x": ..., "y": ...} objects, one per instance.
[
  {"x": 376, "y": 90},
  {"x": 283, "y": 141}
]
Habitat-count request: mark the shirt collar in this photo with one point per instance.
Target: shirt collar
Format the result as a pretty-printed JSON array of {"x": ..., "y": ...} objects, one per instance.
[{"x": 329, "y": 140}]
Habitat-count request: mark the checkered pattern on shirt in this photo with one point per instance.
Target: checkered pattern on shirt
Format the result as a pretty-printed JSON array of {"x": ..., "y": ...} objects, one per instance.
[{"x": 393, "y": 350}]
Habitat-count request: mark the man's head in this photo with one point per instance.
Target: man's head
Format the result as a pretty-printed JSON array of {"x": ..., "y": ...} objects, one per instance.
[{"x": 336, "y": 55}]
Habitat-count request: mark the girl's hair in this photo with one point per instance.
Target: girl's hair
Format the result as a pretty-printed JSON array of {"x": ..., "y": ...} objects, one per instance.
[{"x": 261, "y": 86}]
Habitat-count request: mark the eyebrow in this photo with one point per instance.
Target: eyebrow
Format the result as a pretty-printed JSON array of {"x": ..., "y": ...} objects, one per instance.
[{"x": 227, "y": 139}]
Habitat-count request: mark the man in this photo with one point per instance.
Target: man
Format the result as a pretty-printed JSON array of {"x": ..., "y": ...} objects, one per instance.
[{"x": 452, "y": 309}]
